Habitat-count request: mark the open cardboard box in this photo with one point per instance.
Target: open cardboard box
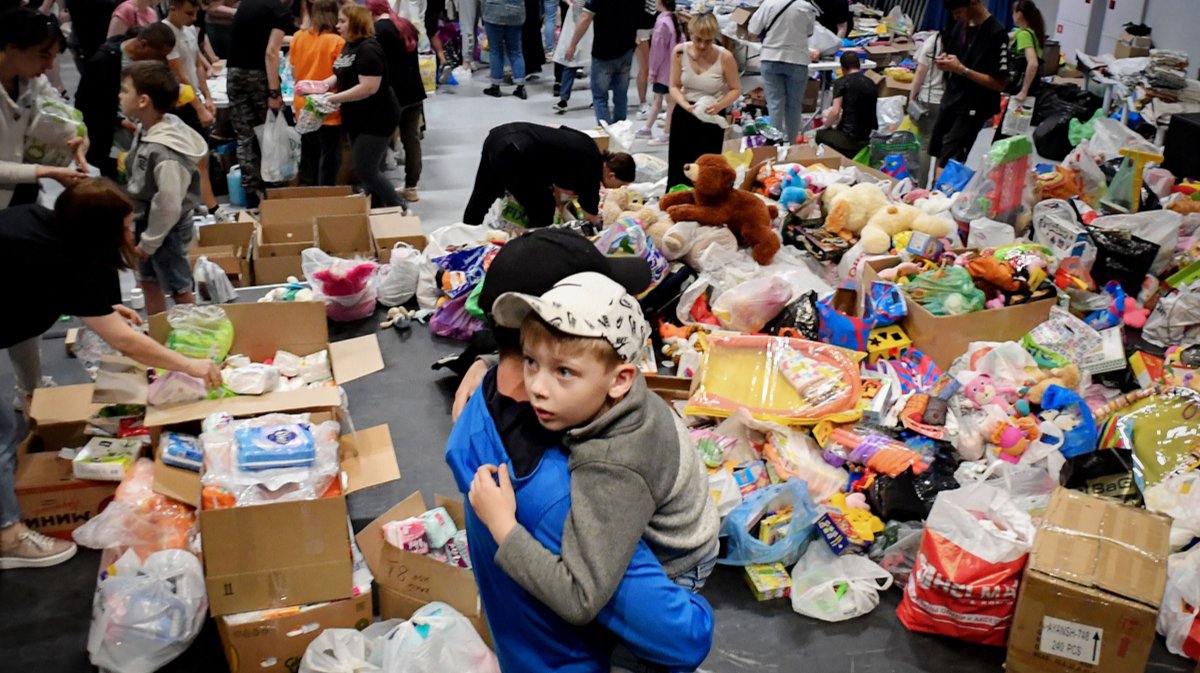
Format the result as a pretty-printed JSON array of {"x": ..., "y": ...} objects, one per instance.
[
  {"x": 286, "y": 227},
  {"x": 230, "y": 245},
  {"x": 944, "y": 338},
  {"x": 807, "y": 155},
  {"x": 292, "y": 553},
  {"x": 1091, "y": 591},
  {"x": 259, "y": 331},
  {"x": 276, "y": 643},
  {"x": 390, "y": 226},
  {"x": 408, "y": 581},
  {"x": 309, "y": 192},
  {"x": 345, "y": 235}
]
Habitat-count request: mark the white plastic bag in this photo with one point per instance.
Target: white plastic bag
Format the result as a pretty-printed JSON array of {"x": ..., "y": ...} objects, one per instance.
[
  {"x": 836, "y": 588},
  {"x": 146, "y": 614},
  {"x": 339, "y": 651},
  {"x": 437, "y": 638},
  {"x": 1111, "y": 136},
  {"x": 1178, "y": 496},
  {"x": 890, "y": 112},
  {"x": 1176, "y": 318},
  {"x": 54, "y": 126},
  {"x": 280, "y": 144},
  {"x": 620, "y": 135},
  {"x": 700, "y": 111},
  {"x": 212, "y": 282},
  {"x": 824, "y": 40},
  {"x": 649, "y": 167},
  {"x": 988, "y": 233},
  {"x": 398, "y": 283},
  {"x": 352, "y": 295},
  {"x": 1181, "y": 600}
]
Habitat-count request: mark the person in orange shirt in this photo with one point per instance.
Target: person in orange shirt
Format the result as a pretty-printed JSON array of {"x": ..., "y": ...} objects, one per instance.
[{"x": 313, "y": 51}]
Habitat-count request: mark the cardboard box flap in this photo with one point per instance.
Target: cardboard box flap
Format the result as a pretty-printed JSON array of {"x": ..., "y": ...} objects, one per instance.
[
  {"x": 1100, "y": 543},
  {"x": 175, "y": 482},
  {"x": 275, "y": 212},
  {"x": 309, "y": 192},
  {"x": 355, "y": 358},
  {"x": 245, "y": 405},
  {"x": 262, "y": 329},
  {"x": 295, "y": 524},
  {"x": 388, "y": 227},
  {"x": 369, "y": 458},
  {"x": 63, "y": 404},
  {"x": 238, "y": 233},
  {"x": 344, "y": 234}
]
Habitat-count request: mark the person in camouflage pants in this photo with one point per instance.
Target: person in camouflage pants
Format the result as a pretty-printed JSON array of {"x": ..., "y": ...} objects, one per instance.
[{"x": 248, "y": 109}]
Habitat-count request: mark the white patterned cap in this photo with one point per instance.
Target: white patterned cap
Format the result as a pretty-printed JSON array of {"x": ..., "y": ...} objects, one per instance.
[{"x": 584, "y": 305}]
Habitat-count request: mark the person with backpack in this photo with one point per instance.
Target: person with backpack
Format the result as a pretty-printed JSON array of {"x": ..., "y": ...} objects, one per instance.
[
  {"x": 1026, "y": 48},
  {"x": 785, "y": 26}
]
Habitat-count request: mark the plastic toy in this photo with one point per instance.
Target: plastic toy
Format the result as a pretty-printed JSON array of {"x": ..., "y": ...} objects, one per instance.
[
  {"x": 1013, "y": 438},
  {"x": 900, "y": 271},
  {"x": 1123, "y": 309},
  {"x": 716, "y": 202},
  {"x": 886, "y": 222},
  {"x": 856, "y": 512},
  {"x": 1139, "y": 158},
  {"x": 850, "y": 208}
]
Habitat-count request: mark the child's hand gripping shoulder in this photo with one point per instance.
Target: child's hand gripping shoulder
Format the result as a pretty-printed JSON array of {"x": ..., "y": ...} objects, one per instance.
[{"x": 494, "y": 500}]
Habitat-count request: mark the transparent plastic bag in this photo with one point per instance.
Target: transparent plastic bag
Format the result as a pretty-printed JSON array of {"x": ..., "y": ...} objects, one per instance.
[
  {"x": 786, "y": 381},
  {"x": 835, "y": 588},
  {"x": 144, "y": 615},
  {"x": 54, "y": 126},
  {"x": 398, "y": 283},
  {"x": 627, "y": 238},
  {"x": 437, "y": 638},
  {"x": 200, "y": 331},
  {"x": 946, "y": 291},
  {"x": 751, "y": 305},
  {"x": 348, "y": 650},
  {"x": 139, "y": 519},
  {"x": 895, "y": 549},
  {"x": 225, "y": 483},
  {"x": 280, "y": 145},
  {"x": 1178, "y": 496},
  {"x": 349, "y": 287},
  {"x": 212, "y": 282},
  {"x": 890, "y": 112},
  {"x": 743, "y": 548},
  {"x": 1181, "y": 603}
]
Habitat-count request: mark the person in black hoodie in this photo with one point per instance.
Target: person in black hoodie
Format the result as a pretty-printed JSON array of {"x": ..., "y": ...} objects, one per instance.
[
  {"x": 398, "y": 37},
  {"x": 100, "y": 86}
]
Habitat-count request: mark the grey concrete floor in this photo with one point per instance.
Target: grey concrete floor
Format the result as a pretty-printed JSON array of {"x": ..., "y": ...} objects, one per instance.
[{"x": 44, "y": 614}]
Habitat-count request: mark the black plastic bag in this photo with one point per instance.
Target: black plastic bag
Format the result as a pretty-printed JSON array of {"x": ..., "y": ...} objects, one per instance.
[
  {"x": 1122, "y": 257},
  {"x": 800, "y": 315},
  {"x": 1107, "y": 473}
]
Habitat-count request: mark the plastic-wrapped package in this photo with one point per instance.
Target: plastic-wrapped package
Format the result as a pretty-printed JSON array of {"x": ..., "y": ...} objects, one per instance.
[
  {"x": 749, "y": 371},
  {"x": 140, "y": 519},
  {"x": 1162, "y": 430},
  {"x": 399, "y": 282},
  {"x": 287, "y": 363},
  {"x": 1061, "y": 340},
  {"x": 54, "y": 125},
  {"x": 751, "y": 305},
  {"x": 743, "y": 548},
  {"x": 180, "y": 450},
  {"x": 997, "y": 191},
  {"x": 1178, "y": 495},
  {"x": 315, "y": 368},
  {"x": 1181, "y": 604},
  {"x": 168, "y": 387},
  {"x": 200, "y": 331},
  {"x": 144, "y": 615},
  {"x": 106, "y": 458},
  {"x": 267, "y": 447},
  {"x": 227, "y": 484},
  {"x": 251, "y": 379},
  {"x": 349, "y": 287},
  {"x": 946, "y": 291}
]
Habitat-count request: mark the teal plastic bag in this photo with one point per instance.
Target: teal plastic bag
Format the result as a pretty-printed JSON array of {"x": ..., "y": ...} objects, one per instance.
[
  {"x": 744, "y": 548},
  {"x": 946, "y": 291}
]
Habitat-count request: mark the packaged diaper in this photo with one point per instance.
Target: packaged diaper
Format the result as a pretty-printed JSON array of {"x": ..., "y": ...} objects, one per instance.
[
  {"x": 456, "y": 550},
  {"x": 106, "y": 459},
  {"x": 273, "y": 446},
  {"x": 439, "y": 527},
  {"x": 251, "y": 379},
  {"x": 407, "y": 534},
  {"x": 287, "y": 363},
  {"x": 315, "y": 368},
  {"x": 180, "y": 450}
]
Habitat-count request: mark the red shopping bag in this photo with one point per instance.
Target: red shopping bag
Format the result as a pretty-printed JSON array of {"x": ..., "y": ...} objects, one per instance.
[{"x": 965, "y": 579}]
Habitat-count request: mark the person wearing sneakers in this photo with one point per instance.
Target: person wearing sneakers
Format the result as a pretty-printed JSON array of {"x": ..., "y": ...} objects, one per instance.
[
  {"x": 667, "y": 34},
  {"x": 399, "y": 38},
  {"x": 502, "y": 20},
  {"x": 89, "y": 234},
  {"x": 566, "y": 70}
]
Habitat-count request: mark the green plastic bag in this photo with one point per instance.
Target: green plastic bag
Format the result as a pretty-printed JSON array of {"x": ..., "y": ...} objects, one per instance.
[
  {"x": 946, "y": 291},
  {"x": 864, "y": 156},
  {"x": 472, "y": 304},
  {"x": 1078, "y": 131}
]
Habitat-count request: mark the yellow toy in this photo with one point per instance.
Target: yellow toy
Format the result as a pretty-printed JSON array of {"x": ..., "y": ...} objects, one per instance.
[
  {"x": 887, "y": 222},
  {"x": 849, "y": 208},
  {"x": 864, "y": 523}
]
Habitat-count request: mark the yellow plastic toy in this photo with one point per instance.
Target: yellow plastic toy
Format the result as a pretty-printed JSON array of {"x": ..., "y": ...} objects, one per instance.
[{"x": 864, "y": 523}]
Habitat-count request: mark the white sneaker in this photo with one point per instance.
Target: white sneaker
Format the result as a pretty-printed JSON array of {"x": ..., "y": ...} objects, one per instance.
[
  {"x": 34, "y": 550},
  {"x": 643, "y": 111}
]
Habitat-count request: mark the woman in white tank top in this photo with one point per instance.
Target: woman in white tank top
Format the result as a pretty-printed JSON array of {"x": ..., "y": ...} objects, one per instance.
[{"x": 699, "y": 69}]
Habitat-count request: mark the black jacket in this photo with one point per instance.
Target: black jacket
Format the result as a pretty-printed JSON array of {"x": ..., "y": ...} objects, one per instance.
[{"x": 98, "y": 99}]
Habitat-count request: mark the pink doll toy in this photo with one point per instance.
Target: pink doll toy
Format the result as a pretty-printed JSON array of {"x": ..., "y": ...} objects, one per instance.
[{"x": 983, "y": 390}]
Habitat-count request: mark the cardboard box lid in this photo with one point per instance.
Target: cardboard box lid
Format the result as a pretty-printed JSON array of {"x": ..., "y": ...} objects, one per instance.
[
  {"x": 355, "y": 358},
  {"x": 259, "y": 330},
  {"x": 237, "y": 233},
  {"x": 401, "y": 571},
  {"x": 395, "y": 225},
  {"x": 344, "y": 234},
  {"x": 63, "y": 404},
  {"x": 741, "y": 15},
  {"x": 309, "y": 192},
  {"x": 276, "y": 212},
  {"x": 1097, "y": 542}
]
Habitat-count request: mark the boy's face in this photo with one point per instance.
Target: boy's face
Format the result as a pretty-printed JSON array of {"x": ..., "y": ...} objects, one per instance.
[
  {"x": 130, "y": 99},
  {"x": 568, "y": 389},
  {"x": 184, "y": 15}
]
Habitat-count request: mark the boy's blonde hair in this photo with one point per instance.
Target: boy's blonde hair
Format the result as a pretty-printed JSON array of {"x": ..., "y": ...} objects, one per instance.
[
  {"x": 704, "y": 26},
  {"x": 538, "y": 332}
]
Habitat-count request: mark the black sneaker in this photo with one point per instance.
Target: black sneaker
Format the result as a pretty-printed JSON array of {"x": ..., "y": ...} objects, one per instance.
[
  {"x": 493, "y": 90},
  {"x": 560, "y": 107},
  {"x": 557, "y": 89},
  {"x": 519, "y": 92}
]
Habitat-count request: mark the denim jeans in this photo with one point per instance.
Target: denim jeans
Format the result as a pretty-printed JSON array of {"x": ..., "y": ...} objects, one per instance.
[
  {"x": 785, "y": 84},
  {"x": 694, "y": 579},
  {"x": 10, "y": 513},
  {"x": 611, "y": 75},
  {"x": 550, "y": 22},
  {"x": 505, "y": 41},
  {"x": 568, "y": 82}
]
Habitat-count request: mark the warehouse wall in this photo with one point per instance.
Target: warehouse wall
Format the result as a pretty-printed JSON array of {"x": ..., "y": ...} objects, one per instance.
[{"x": 1174, "y": 25}]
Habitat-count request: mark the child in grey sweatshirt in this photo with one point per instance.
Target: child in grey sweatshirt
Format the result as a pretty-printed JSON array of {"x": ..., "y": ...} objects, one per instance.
[
  {"x": 163, "y": 180},
  {"x": 635, "y": 475}
]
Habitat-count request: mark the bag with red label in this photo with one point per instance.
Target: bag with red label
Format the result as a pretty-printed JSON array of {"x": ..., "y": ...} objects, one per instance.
[{"x": 965, "y": 579}]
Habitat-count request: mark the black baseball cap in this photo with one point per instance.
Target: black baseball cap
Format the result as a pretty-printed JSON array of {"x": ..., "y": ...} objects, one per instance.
[{"x": 533, "y": 262}]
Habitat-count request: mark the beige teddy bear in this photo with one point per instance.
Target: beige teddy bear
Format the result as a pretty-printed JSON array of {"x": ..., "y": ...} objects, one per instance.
[
  {"x": 616, "y": 202},
  {"x": 887, "y": 222},
  {"x": 849, "y": 208}
]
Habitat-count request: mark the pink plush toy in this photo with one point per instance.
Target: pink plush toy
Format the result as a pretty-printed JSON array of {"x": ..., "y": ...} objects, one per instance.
[{"x": 983, "y": 390}]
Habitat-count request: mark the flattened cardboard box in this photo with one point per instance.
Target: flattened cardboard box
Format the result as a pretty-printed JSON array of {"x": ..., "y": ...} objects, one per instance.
[
  {"x": 407, "y": 580},
  {"x": 944, "y": 338},
  {"x": 52, "y": 501},
  {"x": 291, "y": 553},
  {"x": 277, "y": 644},
  {"x": 1090, "y": 595}
]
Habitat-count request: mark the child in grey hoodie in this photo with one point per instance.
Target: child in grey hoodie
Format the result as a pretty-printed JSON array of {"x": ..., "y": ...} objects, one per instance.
[
  {"x": 163, "y": 180},
  {"x": 635, "y": 474}
]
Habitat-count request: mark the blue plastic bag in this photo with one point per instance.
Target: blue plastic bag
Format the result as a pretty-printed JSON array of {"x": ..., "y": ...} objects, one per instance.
[
  {"x": 743, "y": 548},
  {"x": 954, "y": 178},
  {"x": 884, "y": 304},
  {"x": 1068, "y": 408}
]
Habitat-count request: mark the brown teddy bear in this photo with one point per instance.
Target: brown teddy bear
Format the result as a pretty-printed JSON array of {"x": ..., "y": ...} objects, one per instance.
[{"x": 715, "y": 202}]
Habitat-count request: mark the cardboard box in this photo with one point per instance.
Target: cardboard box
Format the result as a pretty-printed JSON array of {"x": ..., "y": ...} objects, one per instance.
[
  {"x": 944, "y": 338},
  {"x": 807, "y": 155},
  {"x": 408, "y": 581},
  {"x": 309, "y": 192},
  {"x": 768, "y": 581},
  {"x": 286, "y": 227},
  {"x": 390, "y": 226},
  {"x": 276, "y": 643},
  {"x": 1127, "y": 50},
  {"x": 600, "y": 136},
  {"x": 292, "y": 553},
  {"x": 894, "y": 87},
  {"x": 230, "y": 245},
  {"x": 71, "y": 341},
  {"x": 670, "y": 388},
  {"x": 345, "y": 235},
  {"x": 1090, "y": 594},
  {"x": 886, "y": 54},
  {"x": 1136, "y": 41},
  {"x": 52, "y": 501}
]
